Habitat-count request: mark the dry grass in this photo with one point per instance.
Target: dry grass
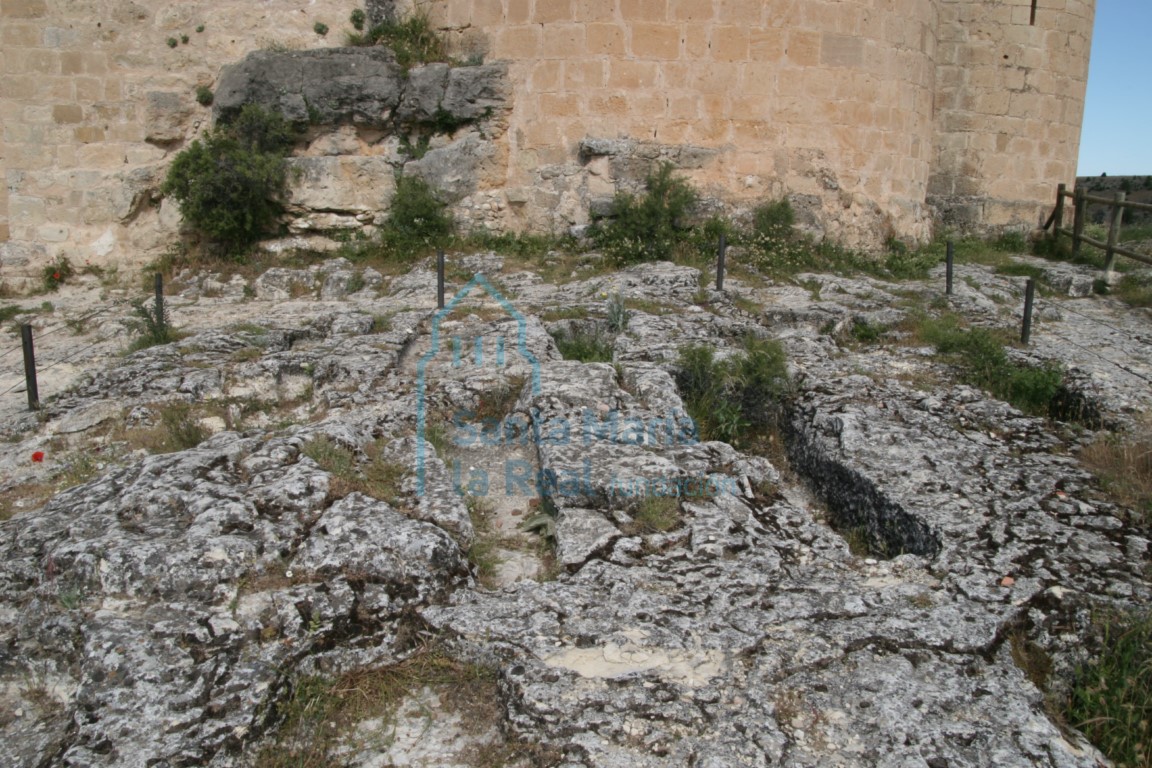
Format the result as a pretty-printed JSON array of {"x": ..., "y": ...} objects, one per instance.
[
  {"x": 1123, "y": 463},
  {"x": 374, "y": 477},
  {"x": 322, "y": 713},
  {"x": 656, "y": 514}
]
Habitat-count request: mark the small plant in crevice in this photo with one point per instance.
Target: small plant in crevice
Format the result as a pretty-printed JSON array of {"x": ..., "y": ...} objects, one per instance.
[
  {"x": 655, "y": 514},
  {"x": 57, "y": 273},
  {"x": 543, "y": 523},
  {"x": 738, "y": 399},
  {"x": 358, "y": 18},
  {"x": 484, "y": 552},
  {"x": 585, "y": 345},
  {"x": 204, "y": 96},
  {"x": 152, "y": 328},
  {"x": 618, "y": 314}
]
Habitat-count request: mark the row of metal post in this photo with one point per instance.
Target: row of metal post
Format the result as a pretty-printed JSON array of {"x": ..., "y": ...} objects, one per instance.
[
  {"x": 31, "y": 384},
  {"x": 721, "y": 258}
]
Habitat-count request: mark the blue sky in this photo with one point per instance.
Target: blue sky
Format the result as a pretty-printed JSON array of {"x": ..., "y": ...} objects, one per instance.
[{"x": 1118, "y": 111}]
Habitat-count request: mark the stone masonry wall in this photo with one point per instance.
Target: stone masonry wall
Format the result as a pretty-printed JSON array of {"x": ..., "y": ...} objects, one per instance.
[
  {"x": 828, "y": 101},
  {"x": 94, "y": 103},
  {"x": 1009, "y": 106},
  {"x": 872, "y": 116}
]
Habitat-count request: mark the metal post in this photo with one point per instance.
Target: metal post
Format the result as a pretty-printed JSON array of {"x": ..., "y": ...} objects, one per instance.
[
  {"x": 1058, "y": 216},
  {"x": 159, "y": 283},
  {"x": 1113, "y": 236},
  {"x": 949, "y": 259},
  {"x": 720, "y": 261},
  {"x": 1029, "y": 297},
  {"x": 1078, "y": 220},
  {"x": 30, "y": 368},
  {"x": 439, "y": 279}
]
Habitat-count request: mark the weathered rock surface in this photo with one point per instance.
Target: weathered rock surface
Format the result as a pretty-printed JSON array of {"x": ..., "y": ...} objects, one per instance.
[
  {"x": 364, "y": 86},
  {"x": 157, "y": 613}
]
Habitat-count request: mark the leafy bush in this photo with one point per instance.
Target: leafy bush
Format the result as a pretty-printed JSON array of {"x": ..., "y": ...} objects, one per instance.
[
  {"x": 416, "y": 220},
  {"x": 320, "y": 28},
  {"x": 204, "y": 95},
  {"x": 357, "y": 18},
  {"x": 648, "y": 228},
  {"x": 228, "y": 184},
  {"x": 737, "y": 399}
]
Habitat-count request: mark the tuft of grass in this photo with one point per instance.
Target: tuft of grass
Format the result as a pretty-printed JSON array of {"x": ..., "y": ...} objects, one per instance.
[
  {"x": 1123, "y": 463},
  {"x": 375, "y": 477},
  {"x": 585, "y": 346},
  {"x": 483, "y": 554},
  {"x": 1134, "y": 290},
  {"x": 979, "y": 354},
  {"x": 656, "y": 514},
  {"x": 1112, "y": 699}
]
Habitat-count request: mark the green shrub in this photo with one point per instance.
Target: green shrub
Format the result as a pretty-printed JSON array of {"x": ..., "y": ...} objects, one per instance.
[
  {"x": 417, "y": 220},
  {"x": 737, "y": 399},
  {"x": 358, "y": 18},
  {"x": 173, "y": 42},
  {"x": 184, "y": 39},
  {"x": 320, "y": 28},
  {"x": 204, "y": 95},
  {"x": 413, "y": 40},
  {"x": 229, "y": 183},
  {"x": 1112, "y": 700},
  {"x": 57, "y": 273},
  {"x": 650, "y": 227}
]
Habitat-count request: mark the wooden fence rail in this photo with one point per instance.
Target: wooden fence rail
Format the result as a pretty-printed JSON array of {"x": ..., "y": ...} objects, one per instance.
[{"x": 1111, "y": 247}]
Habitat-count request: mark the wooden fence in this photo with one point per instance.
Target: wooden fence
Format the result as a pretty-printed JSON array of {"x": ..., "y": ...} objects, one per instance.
[{"x": 1116, "y": 206}]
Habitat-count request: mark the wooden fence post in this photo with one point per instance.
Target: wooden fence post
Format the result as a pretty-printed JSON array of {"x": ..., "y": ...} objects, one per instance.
[
  {"x": 1078, "y": 219},
  {"x": 1058, "y": 217},
  {"x": 1117, "y": 216}
]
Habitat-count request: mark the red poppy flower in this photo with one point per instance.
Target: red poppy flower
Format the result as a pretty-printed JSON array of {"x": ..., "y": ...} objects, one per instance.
[
  {"x": 55, "y": 275},
  {"x": 38, "y": 456}
]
